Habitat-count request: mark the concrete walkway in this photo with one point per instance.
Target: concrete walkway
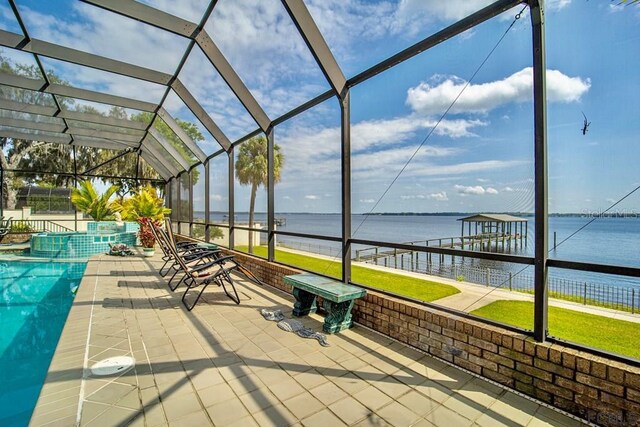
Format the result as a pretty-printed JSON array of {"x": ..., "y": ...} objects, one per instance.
[
  {"x": 225, "y": 365},
  {"x": 473, "y": 296}
]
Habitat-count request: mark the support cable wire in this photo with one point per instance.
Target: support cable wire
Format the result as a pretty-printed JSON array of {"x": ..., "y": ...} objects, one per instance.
[{"x": 433, "y": 129}]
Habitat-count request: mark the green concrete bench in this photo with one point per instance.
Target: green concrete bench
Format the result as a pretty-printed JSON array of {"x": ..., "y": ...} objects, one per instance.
[{"x": 338, "y": 299}]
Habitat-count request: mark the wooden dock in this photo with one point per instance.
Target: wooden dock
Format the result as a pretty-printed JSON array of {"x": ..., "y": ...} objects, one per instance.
[{"x": 480, "y": 242}]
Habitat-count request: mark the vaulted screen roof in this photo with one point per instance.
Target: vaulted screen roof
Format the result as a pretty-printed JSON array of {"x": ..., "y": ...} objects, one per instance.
[{"x": 174, "y": 67}]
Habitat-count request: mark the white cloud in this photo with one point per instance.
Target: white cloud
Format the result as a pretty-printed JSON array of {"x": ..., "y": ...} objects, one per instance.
[
  {"x": 412, "y": 196},
  {"x": 216, "y": 197},
  {"x": 508, "y": 190},
  {"x": 477, "y": 190},
  {"x": 482, "y": 180},
  {"x": 286, "y": 197},
  {"x": 441, "y": 196},
  {"x": 411, "y": 14},
  {"x": 252, "y": 35},
  {"x": 311, "y": 197},
  {"x": 558, "y": 4},
  {"x": 437, "y": 96},
  {"x": 191, "y": 10},
  {"x": 367, "y": 200}
]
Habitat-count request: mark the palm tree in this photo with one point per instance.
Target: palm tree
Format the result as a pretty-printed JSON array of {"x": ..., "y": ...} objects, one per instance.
[
  {"x": 86, "y": 200},
  {"x": 251, "y": 168}
]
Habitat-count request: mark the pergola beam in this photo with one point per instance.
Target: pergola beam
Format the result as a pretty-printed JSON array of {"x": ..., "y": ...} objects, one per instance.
[
  {"x": 149, "y": 144},
  {"x": 148, "y": 15},
  {"x": 63, "y": 138},
  {"x": 102, "y": 120},
  {"x": 23, "y": 107},
  {"x": 200, "y": 113},
  {"x": 116, "y": 157},
  {"x": 71, "y": 131},
  {"x": 46, "y": 111},
  {"x": 168, "y": 147},
  {"x": 38, "y": 85},
  {"x": 96, "y": 142},
  {"x": 234, "y": 82},
  {"x": 28, "y": 124},
  {"x": 120, "y": 137},
  {"x": 176, "y": 25},
  {"x": 171, "y": 23},
  {"x": 177, "y": 129},
  {"x": 16, "y": 134},
  {"x": 155, "y": 163},
  {"x": 74, "y": 56},
  {"x": 316, "y": 43}
]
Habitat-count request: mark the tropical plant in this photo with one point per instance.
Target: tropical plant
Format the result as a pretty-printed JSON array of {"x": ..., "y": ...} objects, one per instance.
[
  {"x": 145, "y": 207},
  {"x": 144, "y": 203},
  {"x": 87, "y": 200},
  {"x": 251, "y": 169},
  {"x": 145, "y": 234}
]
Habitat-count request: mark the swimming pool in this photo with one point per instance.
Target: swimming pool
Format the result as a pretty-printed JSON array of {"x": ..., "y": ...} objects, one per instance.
[{"x": 35, "y": 298}]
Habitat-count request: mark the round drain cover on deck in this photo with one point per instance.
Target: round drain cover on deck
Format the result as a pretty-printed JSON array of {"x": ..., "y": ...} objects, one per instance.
[{"x": 113, "y": 365}]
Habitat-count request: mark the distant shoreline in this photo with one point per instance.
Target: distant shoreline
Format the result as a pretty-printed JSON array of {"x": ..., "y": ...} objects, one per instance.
[{"x": 461, "y": 214}]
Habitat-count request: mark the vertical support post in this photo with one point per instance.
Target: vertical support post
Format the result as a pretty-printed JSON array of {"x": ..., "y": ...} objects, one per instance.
[
  {"x": 167, "y": 195},
  {"x": 190, "y": 177},
  {"x": 1, "y": 192},
  {"x": 345, "y": 125},
  {"x": 138, "y": 170},
  {"x": 540, "y": 167},
  {"x": 231, "y": 197},
  {"x": 207, "y": 200},
  {"x": 75, "y": 184},
  {"x": 271, "y": 242},
  {"x": 179, "y": 200}
]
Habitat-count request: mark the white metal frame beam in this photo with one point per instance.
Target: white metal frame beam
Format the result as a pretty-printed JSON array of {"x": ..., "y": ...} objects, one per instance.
[
  {"x": 38, "y": 85},
  {"x": 316, "y": 43},
  {"x": 200, "y": 113},
  {"x": 74, "y": 56},
  {"x": 177, "y": 129}
]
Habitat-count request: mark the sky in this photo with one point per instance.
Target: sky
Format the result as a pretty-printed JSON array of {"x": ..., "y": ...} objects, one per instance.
[{"x": 407, "y": 154}]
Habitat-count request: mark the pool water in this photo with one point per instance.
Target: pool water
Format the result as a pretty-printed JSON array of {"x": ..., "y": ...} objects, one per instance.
[{"x": 35, "y": 298}]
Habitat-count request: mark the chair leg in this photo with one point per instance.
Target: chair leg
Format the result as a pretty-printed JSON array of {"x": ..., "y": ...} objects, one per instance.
[
  {"x": 174, "y": 287},
  {"x": 219, "y": 279},
  {"x": 235, "y": 298},
  {"x": 173, "y": 275},
  {"x": 193, "y": 285},
  {"x": 163, "y": 267}
]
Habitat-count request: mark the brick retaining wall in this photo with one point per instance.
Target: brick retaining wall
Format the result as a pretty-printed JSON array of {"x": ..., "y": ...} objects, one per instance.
[{"x": 602, "y": 391}]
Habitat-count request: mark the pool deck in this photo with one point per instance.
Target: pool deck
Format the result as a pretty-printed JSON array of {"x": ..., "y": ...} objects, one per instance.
[{"x": 225, "y": 365}]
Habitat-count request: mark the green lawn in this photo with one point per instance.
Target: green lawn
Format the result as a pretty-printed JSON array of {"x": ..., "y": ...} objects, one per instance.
[
  {"x": 617, "y": 336},
  {"x": 420, "y": 289}
]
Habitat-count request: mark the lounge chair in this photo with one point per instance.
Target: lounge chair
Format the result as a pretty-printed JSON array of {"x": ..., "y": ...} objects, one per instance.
[
  {"x": 202, "y": 274},
  {"x": 240, "y": 268},
  {"x": 191, "y": 256},
  {"x": 186, "y": 250}
]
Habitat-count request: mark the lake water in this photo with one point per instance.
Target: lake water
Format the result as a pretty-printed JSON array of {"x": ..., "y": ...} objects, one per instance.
[{"x": 604, "y": 241}]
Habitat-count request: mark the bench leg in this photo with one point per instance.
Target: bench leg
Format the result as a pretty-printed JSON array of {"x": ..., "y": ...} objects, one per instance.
[
  {"x": 305, "y": 302},
  {"x": 338, "y": 316}
]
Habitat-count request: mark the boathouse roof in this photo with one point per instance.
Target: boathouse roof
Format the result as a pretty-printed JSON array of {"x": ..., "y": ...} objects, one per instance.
[{"x": 492, "y": 217}]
